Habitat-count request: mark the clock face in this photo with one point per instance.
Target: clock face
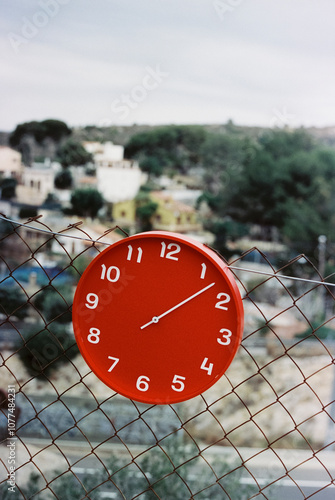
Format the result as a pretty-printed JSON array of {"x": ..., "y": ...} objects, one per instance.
[{"x": 158, "y": 317}]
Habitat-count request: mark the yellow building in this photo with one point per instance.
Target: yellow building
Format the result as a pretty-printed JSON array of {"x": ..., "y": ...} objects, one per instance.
[
  {"x": 124, "y": 213},
  {"x": 172, "y": 215}
]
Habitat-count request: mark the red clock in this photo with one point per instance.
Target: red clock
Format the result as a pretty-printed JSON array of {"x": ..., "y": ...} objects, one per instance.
[{"x": 158, "y": 317}]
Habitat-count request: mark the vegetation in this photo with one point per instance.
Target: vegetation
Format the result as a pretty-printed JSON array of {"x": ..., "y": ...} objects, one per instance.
[
  {"x": 86, "y": 202},
  {"x": 63, "y": 179},
  {"x": 28, "y": 492},
  {"x": 282, "y": 182},
  {"x": 145, "y": 209},
  {"x": 7, "y": 188},
  {"x": 54, "y": 304},
  {"x": 287, "y": 183},
  {"x": 43, "y": 349},
  {"x": 27, "y": 211},
  {"x": 163, "y": 148},
  {"x": 53, "y": 129},
  {"x": 73, "y": 153},
  {"x": 13, "y": 302},
  {"x": 174, "y": 472},
  {"x": 6, "y": 228},
  {"x": 317, "y": 331},
  {"x": 51, "y": 202}
]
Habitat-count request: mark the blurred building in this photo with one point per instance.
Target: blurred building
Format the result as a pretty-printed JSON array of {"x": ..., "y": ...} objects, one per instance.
[
  {"x": 118, "y": 179},
  {"x": 10, "y": 163},
  {"x": 173, "y": 215}
]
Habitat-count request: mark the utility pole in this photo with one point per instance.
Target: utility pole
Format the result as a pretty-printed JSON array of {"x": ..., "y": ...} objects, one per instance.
[
  {"x": 322, "y": 239},
  {"x": 330, "y": 433}
]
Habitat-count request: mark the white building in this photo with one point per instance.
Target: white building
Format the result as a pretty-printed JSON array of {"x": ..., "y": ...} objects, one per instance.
[
  {"x": 104, "y": 152},
  {"x": 37, "y": 182},
  {"x": 10, "y": 163},
  {"x": 117, "y": 179}
]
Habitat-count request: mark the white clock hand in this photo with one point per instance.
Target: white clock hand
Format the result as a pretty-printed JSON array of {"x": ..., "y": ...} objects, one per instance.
[{"x": 155, "y": 319}]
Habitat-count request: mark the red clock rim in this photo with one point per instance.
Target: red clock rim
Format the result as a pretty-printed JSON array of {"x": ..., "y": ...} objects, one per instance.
[{"x": 217, "y": 261}]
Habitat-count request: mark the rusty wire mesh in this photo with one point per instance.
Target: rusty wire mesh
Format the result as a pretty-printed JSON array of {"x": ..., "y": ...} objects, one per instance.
[{"x": 265, "y": 430}]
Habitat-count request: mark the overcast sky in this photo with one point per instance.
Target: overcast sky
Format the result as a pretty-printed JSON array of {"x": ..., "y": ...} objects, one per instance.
[{"x": 104, "y": 62}]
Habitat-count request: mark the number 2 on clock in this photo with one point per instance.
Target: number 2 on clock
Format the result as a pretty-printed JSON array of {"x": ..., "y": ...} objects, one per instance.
[
  {"x": 171, "y": 254},
  {"x": 226, "y": 299}
]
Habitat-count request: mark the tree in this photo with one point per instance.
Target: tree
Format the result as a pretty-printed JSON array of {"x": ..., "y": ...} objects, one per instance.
[
  {"x": 13, "y": 302},
  {"x": 7, "y": 188},
  {"x": 173, "y": 147},
  {"x": 73, "y": 153},
  {"x": 151, "y": 165},
  {"x": 6, "y": 228},
  {"x": 63, "y": 179},
  {"x": 27, "y": 211},
  {"x": 86, "y": 202},
  {"x": 51, "y": 202},
  {"x": 222, "y": 156},
  {"x": 54, "y": 304},
  {"x": 55, "y": 129},
  {"x": 145, "y": 209},
  {"x": 43, "y": 349},
  {"x": 287, "y": 183}
]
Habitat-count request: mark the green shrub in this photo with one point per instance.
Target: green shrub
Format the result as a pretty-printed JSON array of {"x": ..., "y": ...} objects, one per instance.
[
  {"x": 13, "y": 302},
  {"x": 43, "y": 349},
  {"x": 54, "y": 304},
  {"x": 27, "y": 211}
]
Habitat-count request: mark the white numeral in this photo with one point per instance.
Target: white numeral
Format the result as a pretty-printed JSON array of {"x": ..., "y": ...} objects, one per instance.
[
  {"x": 226, "y": 334},
  {"x": 203, "y": 271},
  {"x": 171, "y": 246},
  {"x": 130, "y": 252},
  {"x": 208, "y": 368},
  {"x": 142, "y": 383},
  {"x": 219, "y": 305},
  {"x": 92, "y": 300},
  {"x": 116, "y": 360},
  {"x": 177, "y": 383},
  {"x": 107, "y": 273},
  {"x": 93, "y": 336}
]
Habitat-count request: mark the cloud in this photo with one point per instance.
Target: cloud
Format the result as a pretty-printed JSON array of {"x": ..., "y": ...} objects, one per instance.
[{"x": 259, "y": 57}]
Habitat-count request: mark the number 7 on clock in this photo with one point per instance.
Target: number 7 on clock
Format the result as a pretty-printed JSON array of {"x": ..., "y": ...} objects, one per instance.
[{"x": 115, "y": 362}]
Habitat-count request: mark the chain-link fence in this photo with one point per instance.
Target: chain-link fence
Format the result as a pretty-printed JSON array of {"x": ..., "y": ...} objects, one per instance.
[{"x": 265, "y": 430}]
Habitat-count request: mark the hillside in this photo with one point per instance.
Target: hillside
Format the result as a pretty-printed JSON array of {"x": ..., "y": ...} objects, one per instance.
[{"x": 122, "y": 134}]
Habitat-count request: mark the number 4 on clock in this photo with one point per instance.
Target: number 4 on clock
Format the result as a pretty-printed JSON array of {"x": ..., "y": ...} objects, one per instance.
[{"x": 208, "y": 367}]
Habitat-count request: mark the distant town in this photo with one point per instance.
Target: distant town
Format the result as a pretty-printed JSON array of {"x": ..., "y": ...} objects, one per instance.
[{"x": 187, "y": 179}]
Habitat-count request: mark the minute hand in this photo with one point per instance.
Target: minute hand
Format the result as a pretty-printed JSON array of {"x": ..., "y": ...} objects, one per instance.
[{"x": 155, "y": 319}]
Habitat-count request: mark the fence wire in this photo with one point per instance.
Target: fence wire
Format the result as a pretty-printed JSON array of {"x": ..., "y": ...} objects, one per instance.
[{"x": 265, "y": 430}]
